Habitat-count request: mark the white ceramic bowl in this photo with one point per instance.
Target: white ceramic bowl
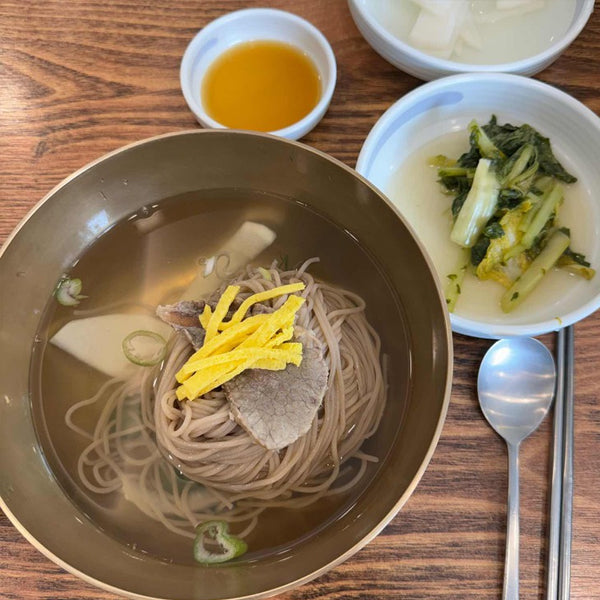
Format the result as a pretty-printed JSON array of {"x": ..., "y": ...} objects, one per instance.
[
  {"x": 397, "y": 149},
  {"x": 418, "y": 63},
  {"x": 257, "y": 24}
]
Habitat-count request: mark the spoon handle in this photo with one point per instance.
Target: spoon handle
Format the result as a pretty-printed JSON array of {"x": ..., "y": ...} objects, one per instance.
[{"x": 511, "y": 565}]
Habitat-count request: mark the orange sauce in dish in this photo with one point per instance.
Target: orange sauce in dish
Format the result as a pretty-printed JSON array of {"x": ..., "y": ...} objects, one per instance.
[{"x": 261, "y": 86}]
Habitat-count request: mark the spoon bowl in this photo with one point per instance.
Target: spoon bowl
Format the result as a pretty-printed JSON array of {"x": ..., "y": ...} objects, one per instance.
[{"x": 516, "y": 385}]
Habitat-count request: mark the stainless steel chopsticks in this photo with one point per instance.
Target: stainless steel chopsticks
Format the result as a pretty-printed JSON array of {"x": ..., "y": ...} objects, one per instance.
[
  {"x": 556, "y": 475},
  {"x": 564, "y": 570},
  {"x": 561, "y": 498}
]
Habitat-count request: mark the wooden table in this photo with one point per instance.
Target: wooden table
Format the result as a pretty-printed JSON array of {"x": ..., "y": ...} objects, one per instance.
[{"x": 81, "y": 78}]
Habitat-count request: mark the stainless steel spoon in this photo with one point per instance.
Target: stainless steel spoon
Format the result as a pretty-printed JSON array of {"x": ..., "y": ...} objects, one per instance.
[{"x": 516, "y": 385}]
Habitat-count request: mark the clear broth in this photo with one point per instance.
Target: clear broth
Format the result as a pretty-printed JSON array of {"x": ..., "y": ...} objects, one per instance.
[
  {"x": 150, "y": 258},
  {"x": 529, "y": 34}
]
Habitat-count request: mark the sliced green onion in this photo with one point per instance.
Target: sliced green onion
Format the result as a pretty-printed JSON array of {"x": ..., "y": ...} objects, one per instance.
[
  {"x": 144, "y": 348},
  {"x": 213, "y": 543},
  {"x": 68, "y": 291}
]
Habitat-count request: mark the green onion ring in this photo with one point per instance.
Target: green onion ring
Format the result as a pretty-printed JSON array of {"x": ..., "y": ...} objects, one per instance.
[{"x": 133, "y": 356}]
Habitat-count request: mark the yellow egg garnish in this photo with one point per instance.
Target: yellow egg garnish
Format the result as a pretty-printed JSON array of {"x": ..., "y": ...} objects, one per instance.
[{"x": 255, "y": 342}]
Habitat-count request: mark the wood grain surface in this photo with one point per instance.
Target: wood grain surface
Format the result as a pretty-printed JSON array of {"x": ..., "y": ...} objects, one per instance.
[{"x": 83, "y": 77}]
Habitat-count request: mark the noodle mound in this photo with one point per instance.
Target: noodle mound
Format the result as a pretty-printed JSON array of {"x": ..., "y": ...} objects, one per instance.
[{"x": 200, "y": 438}]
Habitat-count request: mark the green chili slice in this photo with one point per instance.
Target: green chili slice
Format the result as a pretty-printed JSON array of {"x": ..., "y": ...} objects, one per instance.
[
  {"x": 213, "y": 543},
  {"x": 144, "y": 348}
]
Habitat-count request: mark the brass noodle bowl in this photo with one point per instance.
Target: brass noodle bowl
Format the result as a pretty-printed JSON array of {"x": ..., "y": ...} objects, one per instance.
[{"x": 407, "y": 310}]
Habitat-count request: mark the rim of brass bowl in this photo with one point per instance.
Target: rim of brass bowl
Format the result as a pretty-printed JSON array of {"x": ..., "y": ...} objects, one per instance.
[{"x": 85, "y": 205}]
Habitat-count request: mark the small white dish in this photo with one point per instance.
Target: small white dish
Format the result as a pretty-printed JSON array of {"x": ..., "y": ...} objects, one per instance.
[
  {"x": 419, "y": 121},
  {"x": 427, "y": 67},
  {"x": 250, "y": 25}
]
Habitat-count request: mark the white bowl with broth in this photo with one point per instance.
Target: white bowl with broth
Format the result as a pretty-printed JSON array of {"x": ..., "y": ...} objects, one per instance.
[
  {"x": 259, "y": 69},
  {"x": 537, "y": 38},
  {"x": 433, "y": 120}
]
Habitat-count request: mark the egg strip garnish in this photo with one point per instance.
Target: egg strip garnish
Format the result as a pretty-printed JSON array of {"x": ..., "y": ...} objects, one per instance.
[{"x": 230, "y": 347}]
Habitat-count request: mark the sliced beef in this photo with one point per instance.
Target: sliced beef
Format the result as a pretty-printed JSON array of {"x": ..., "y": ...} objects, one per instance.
[
  {"x": 183, "y": 317},
  {"x": 278, "y": 407}
]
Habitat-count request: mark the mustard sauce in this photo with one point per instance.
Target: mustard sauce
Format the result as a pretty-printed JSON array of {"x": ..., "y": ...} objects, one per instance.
[{"x": 261, "y": 86}]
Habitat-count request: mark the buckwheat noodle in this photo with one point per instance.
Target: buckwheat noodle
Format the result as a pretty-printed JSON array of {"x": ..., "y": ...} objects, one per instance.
[{"x": 142, "y": 423}]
